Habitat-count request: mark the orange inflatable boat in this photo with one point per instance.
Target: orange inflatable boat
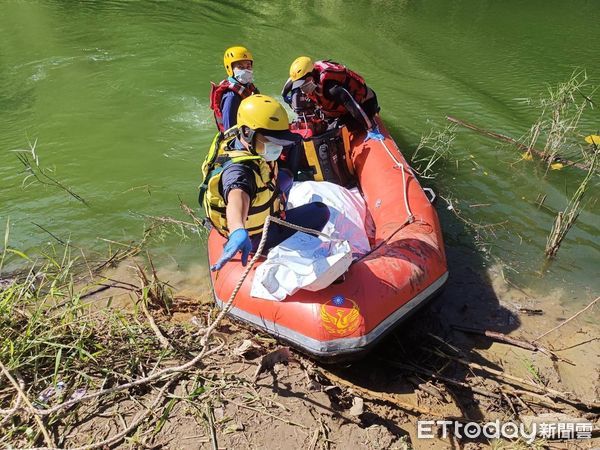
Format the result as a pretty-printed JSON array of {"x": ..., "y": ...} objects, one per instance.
[{"x": 405, "y": 268}]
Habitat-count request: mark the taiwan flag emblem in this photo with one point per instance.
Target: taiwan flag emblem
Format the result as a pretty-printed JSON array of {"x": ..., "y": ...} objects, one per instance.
[
  {"x": 338, "y": 300},
  {"x": 340, "y": 316}
]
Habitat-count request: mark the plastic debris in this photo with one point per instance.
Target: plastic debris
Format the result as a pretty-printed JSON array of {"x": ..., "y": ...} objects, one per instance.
[
  {"x": 46, "y": 395},
  {"x": 357, "y": 407},
  {"x": 527, "y": 156},
  {"x": 79, "y": 393},
  {"x": 245, "y": 348},
  {"x": 593, "y": 139},
  {"x": 50, "y": 392},
  {"x": 281, "y": 355}
]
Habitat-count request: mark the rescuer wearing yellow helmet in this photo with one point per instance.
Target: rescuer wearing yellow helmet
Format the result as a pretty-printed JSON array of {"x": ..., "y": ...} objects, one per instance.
[
  {"x": 336, "y": 90},
  {"x": 243, "y": 185},
  {"x": 225, "y": 97}
]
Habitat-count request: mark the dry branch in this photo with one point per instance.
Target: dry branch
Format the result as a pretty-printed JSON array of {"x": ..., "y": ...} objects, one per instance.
[
  {"x": 132, "y": 426},
  {"x": 552, "y": 393},
  {"x": 383, "y": 396},
  {"x": 500, "y": 337},
  {"x": 520, "y": 146},
  {"x": 567, "y": 321},
  {"x": 30, "y": 407}
]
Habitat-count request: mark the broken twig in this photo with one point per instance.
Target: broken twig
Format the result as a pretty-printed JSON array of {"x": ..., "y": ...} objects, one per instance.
[{"x": 568, "y": 320}]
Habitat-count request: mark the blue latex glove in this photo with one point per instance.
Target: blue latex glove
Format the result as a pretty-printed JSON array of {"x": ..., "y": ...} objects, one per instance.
[
  {"x": 238, "y": 241},
  {"x": 374, "y": 133}
]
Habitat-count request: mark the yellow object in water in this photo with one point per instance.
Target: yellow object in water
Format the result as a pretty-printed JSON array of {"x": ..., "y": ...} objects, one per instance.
[
  {"x": 593, "y": 139},
  {"x": 527, "y": 156},
  {"x": 557, "y": 166}
]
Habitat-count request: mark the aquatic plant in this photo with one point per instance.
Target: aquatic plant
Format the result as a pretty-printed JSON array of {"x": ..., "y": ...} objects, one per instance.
[
  {"x": 566, "y": 219},
  {"x": 557, "y": 126},
  {"x": 433, "y": 148},
  {"x": 35, "y": 171}
]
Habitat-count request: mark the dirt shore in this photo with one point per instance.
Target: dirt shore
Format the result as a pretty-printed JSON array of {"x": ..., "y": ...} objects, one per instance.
[{"x": 427, "y": 364}]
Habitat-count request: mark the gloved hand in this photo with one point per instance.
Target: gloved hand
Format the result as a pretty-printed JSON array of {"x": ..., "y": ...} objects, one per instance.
[
  {"x": 374, "y": 133},
  {"x": 238, "y": 241}
]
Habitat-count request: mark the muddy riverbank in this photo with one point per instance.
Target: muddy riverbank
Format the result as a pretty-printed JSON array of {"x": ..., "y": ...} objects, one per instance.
[{"x": 427, "y": 370}]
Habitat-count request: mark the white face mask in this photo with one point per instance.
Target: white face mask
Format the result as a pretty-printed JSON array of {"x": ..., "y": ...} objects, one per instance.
[
  {"x": 271, "y": 151},
  {"x": 309, "y": 87},
  {"x": 244, "y": 76}
]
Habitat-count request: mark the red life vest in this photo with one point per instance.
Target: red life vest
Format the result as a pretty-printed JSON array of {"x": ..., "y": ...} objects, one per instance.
[
  {"x": 218, "y": 90},
  {"x": 351, "y": 81}
]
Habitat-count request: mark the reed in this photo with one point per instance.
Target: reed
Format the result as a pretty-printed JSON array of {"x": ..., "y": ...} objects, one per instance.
[
  {"x": 432, "y": 149},
  {"x": 557, "y": 126},
  {"x": 44, "y": 175},
  {"x": 565, "y": 219}
]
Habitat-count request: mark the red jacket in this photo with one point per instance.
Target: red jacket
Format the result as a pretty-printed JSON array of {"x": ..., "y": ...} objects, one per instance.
[
  {"x": 218, "y": 90},
  {"x": 328, "y": 73}
]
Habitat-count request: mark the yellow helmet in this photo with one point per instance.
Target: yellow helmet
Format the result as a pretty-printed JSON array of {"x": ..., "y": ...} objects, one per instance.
[
  {"x": 233, "y": 54},
  {"x": 300, "y": 67},
  {"x": 261, "y": 112}
]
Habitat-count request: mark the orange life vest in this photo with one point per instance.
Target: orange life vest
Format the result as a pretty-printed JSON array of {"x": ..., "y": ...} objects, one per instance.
[
  {"x": 351, "y": 81},
  {"x": 218, "y": 90}
]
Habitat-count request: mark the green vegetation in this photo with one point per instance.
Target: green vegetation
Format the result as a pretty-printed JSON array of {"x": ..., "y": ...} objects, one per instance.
[
  {"x": 57, "y": 344},
  {"x": 37, "y": 173},
  {"x": 432, "y": 149},
  {"x": 561, "y": 110},
  {"x": 565, "y": 219}
]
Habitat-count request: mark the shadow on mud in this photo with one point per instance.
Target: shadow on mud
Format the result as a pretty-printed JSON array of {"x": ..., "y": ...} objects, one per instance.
[{"x": 425, "y": 347}]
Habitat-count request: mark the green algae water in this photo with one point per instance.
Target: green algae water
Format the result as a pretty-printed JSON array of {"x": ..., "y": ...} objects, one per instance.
[{"x": 114, "y": 94}]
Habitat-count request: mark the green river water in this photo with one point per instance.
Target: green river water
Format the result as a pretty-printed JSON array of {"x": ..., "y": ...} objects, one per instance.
[{"x": 116, "y": 95}]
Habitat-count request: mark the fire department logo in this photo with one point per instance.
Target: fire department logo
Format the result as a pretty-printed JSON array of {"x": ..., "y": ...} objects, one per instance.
[{"x": 340, "y": 316}]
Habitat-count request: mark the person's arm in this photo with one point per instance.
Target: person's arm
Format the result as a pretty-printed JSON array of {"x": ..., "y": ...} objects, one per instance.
[
  {"x": 238, "y": 204},
  {"x": 229, "y": 108},
  {"x": 238, "y": 189},
  {"x": 344, "y": 97}
]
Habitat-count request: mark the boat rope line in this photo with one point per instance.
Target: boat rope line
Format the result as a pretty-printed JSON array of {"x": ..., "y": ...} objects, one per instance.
[
  {"x": 255, "y": 258},
  {"x": 385, "y": 241},
  {"x": 404, "y": 184},
  {"x": 391, "y": 155}
]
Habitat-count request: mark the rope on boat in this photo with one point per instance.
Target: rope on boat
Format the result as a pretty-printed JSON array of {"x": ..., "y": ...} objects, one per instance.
[
  {"x": 404, "y": 185},
  {"x": 257, "y": 255}
]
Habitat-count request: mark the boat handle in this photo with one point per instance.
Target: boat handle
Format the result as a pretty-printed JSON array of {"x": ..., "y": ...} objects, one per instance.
[{"x": 430, "y": 194}]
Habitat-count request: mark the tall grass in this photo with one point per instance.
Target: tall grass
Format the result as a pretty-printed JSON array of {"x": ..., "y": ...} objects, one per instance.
[
  {"x": 566, "y": 219},
  {"x": 58, "y": 344},
  {"x": 561, "y": 110},
  {"x": 433, "y": 148}
]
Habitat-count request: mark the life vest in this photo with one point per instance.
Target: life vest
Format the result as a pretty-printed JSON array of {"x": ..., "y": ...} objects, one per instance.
[
  {"x": 218, "y": 90},
  {"x": 268, "y": 200},
  {"x": 339, "y": 74}
]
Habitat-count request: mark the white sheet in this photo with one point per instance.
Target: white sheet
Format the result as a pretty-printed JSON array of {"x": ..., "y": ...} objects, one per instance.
[{"x": 308, "y": 262}]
